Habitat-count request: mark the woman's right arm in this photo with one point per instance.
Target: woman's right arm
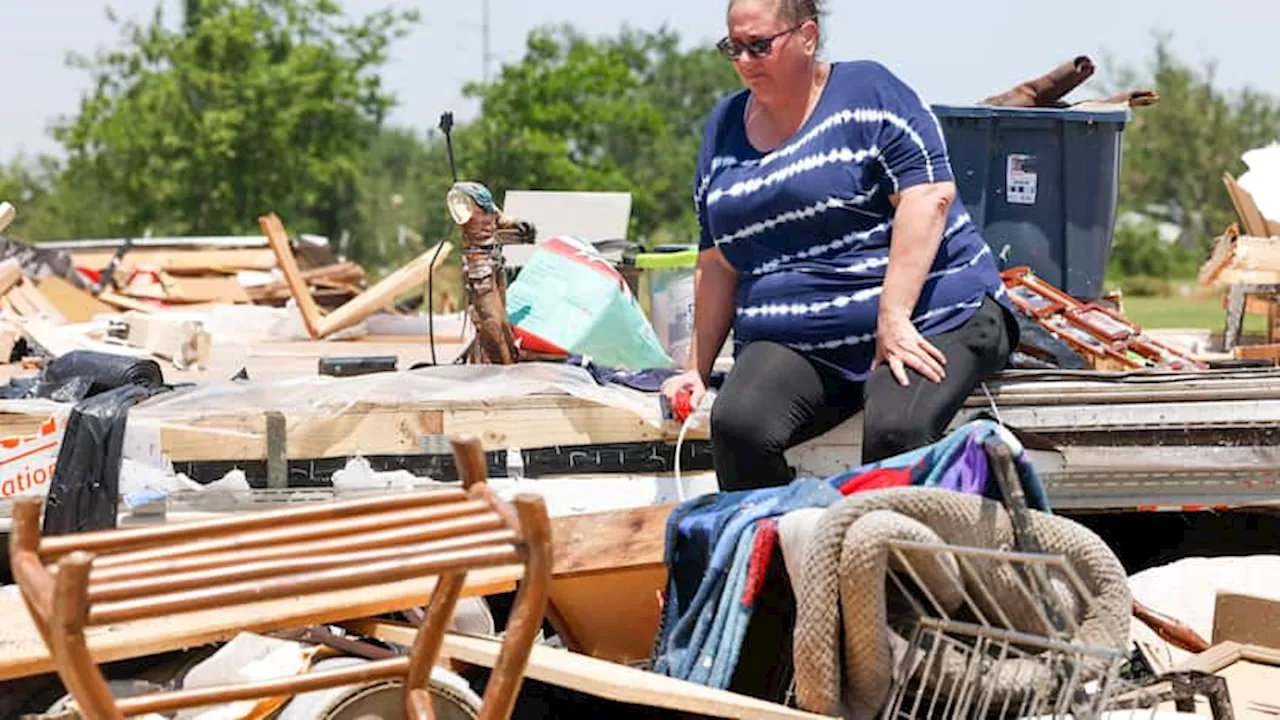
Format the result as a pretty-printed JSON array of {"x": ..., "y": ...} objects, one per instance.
[{"x": 714, "y": 290}]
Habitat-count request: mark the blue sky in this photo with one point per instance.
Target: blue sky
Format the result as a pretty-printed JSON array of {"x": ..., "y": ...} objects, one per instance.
[{"x": 953, "y": 52}]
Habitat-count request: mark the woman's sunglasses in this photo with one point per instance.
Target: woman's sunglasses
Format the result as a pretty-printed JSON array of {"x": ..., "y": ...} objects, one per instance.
[{"x": 758, "y": 48}]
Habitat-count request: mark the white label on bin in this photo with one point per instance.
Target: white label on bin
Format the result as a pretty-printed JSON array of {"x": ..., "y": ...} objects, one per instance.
[{"x": 1020, "y": 180}]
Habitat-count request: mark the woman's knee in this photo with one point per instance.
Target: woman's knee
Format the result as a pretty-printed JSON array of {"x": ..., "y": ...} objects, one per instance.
[
  {"x": 885, "y": 435},
  {"x": 739, "y": 423}
]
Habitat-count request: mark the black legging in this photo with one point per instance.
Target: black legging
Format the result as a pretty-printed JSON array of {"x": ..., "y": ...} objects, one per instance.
[{"x": 774, "y": 398}]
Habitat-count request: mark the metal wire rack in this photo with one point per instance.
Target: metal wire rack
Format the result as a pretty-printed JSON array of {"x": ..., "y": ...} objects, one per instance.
[{"x": 983, "y": 633}]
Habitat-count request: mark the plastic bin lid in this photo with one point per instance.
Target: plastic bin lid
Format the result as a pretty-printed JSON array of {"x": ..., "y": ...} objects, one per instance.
[
  {"x": 669, "y": 258},
  {"x": 1121, "y": 113}
]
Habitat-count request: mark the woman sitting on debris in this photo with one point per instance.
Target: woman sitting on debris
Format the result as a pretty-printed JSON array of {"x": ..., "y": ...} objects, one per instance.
[{"x": 834, "y": 245}]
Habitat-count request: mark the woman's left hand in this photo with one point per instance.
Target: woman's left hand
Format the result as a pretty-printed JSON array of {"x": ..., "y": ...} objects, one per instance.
[{"x": 901, "y": 346}]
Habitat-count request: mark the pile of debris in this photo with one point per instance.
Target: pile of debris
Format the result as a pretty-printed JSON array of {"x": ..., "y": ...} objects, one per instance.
[{"x": 1062, "y": 331}]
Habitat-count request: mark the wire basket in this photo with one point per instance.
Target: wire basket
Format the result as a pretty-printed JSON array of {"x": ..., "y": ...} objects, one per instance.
[{"x": 991, "y": 633}]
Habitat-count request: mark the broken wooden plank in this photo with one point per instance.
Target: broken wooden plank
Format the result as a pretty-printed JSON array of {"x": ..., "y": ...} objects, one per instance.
[
  {"x": 125, "y": 303},
  {"x": 1269, "y": 352},
  {"x": 23, "y": 653},
  {"x": 278, "y": 239},
  {"x": 75, "y": 304},
  {"x": 1246, "y": 208},
  {"x": 181, "y": 261},
  {"x": 7, "y": 213},
  {"x": 599, "y": 678}
]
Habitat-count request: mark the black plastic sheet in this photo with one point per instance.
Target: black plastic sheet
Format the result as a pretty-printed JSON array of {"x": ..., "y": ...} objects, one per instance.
[
  {"x": 86, "y": 479},
  {"x": 106, "y": 371}
]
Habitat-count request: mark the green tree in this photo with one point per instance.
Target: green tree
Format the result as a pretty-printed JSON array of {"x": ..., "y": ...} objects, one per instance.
[
  {"x": 252, "y": 106},
  {"x": 617, "y": 113},
  {"x": 1175, "y": 152}
]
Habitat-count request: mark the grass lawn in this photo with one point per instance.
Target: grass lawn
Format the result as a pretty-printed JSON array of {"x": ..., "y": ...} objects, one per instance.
[{"x": 1185, "y": 313}]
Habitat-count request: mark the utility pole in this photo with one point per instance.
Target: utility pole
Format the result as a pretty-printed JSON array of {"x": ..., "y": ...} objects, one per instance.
[{"x": 484, "y": 29}]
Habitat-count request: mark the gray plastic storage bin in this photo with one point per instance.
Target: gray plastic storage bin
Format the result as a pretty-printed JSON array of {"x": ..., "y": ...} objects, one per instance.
[{"x": 1041, "y": 184}]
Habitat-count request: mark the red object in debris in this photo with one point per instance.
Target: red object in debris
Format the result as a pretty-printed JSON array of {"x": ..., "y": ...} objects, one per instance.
[{"x": 682, "y": 406}]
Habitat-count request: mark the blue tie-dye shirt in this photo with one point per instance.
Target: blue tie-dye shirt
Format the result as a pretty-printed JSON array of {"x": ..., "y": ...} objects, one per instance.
[{"x": 807, "y": 225}]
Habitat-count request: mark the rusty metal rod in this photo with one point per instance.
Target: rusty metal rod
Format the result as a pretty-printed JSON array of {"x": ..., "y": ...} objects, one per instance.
[
  {"x": 119, "y": 540},
  {"x": 282, "y": 586},
  {"x": 174, "y": 582},
  {"x": 163, "y": 702},
  {"x": 439, "y": 533},
  {"x": 295, "y": 532}
]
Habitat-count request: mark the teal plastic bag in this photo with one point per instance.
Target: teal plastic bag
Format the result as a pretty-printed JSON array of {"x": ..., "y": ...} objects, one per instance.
[{"x": 570, "y": 299}]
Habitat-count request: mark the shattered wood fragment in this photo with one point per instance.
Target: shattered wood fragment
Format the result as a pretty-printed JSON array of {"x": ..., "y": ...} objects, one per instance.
[{"x": 380, "y": 296}]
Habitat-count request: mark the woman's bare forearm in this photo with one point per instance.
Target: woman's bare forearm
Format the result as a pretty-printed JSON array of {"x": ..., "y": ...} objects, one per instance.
[
  {"x": 715, "y": 287},
  {"x": 918, "y": 225}
]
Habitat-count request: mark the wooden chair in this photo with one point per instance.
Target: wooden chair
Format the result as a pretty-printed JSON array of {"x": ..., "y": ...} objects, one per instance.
[{"x": 74, "y": 582}]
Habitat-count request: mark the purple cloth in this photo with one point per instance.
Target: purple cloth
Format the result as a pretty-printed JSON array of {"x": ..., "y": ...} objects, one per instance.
[{"x": 968, "y": 470}]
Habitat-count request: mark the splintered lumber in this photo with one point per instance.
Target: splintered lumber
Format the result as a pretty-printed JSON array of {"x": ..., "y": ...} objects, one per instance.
[
  {"x": 7, "y": 214},
  {"x": 1242, "y": 259},
  {"x": 23, "y": 653},
  {"x": 338, "y": 274},
  {"x": 370, "y": 301},
  {"x": 600, "y": 678}
]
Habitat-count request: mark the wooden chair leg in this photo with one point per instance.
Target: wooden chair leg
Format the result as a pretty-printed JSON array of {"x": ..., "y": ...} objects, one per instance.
[
  {"x": 426, "y": 644},
  {"x": 67, "y": 642},
  {"x": 527, "y": 612}
]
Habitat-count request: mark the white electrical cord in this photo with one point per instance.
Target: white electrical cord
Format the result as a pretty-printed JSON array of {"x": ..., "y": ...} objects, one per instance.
[
  {"x": 1001, "y": 429},
  {"x": 684, "y": 429}
]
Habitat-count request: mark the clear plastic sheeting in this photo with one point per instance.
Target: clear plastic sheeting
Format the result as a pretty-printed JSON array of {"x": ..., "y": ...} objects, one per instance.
[{"x": 329, "y": 396}]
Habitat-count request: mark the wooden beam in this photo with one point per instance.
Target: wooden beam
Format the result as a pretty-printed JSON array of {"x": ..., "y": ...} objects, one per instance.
[
  {"x": 600, "y": 678},
  {"x": 181, "y": 340},
  {"x": 369, "y": 428},
  {"x": 278, "y": 239},
  {"x": 23, "y": 653},
  {"x": 609, "y": 541}
]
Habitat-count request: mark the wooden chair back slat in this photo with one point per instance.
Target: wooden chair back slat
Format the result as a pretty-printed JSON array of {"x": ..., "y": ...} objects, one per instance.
[
  {"x": 295, "y": 532},
  {"x": 485, "y": 527},
  {"x": 118, "y": 540}
]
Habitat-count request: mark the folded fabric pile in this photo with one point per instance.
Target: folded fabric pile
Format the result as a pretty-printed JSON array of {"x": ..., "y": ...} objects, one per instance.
[{"x": 718, "y": 547}]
